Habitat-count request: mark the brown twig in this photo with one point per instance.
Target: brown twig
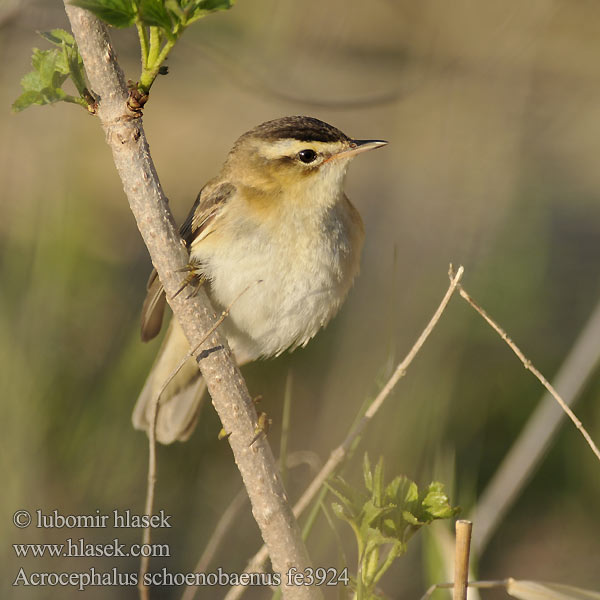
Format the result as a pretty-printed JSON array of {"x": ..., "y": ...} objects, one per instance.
[
  {"x": 531, "y": 368},
  {"x": 336, "y": 457},
  {"x": 126, "y": 138},
  {"x": 462, "y": 549},
  {"x": 529, "y": 448}
]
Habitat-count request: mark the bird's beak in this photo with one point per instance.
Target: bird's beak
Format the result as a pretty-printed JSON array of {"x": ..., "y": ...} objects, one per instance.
[{"x": 359, "y": 146}]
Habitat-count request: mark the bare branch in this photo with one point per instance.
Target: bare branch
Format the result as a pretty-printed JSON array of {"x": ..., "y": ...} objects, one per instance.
[
  {"x": 529, "y": 448},
  {"x": 126, "y": 138},
  {"x": 336, "y": 457},
  {"x": 529, "y": 366}
]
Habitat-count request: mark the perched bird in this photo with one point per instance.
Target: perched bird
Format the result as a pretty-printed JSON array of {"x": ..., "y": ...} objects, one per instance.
[{"x": 273, "y": 237}]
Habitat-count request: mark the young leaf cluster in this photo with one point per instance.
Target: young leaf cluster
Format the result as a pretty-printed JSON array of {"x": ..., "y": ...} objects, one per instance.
[
  {"x": 159, "y": 23},
  {"x": 384, "y": 517},
  {"x": 51, "y": 68}
]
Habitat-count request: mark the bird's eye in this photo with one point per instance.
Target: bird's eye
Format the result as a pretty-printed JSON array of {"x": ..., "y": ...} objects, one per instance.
[{"x": 307, "y": 156}]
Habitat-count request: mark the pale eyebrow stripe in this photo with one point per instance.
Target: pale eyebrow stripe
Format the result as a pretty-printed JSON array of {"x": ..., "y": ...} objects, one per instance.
[{"x": 289, "y": 147}]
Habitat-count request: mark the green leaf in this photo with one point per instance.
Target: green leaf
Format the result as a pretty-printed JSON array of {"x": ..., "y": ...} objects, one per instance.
[
  {"x": 386, "y": 516},
  {"x": 76, "y": 69},
  {"x": 32, "y": 82},
  {"x": 39, "y": 57},
  {"x": 54, "y": 94},
  {"x": 212, "y": 5},
  {"x": 51, "y": 68},
  {"x": 410, "y": 518},
  {"x": 392, "y": 489},
  {"x": 154, "y": 13},
  {"x": 370, "y": 518},
  {"x": 200, "y": 8},
  {"x": 175, "y": 8},
  {"x": 56, "y": 63},
  {"x": 58, "y": 36},
  {"x": 118, "y": 13},
  {"x": 412, "y": 491},
  {"x": 52, "y": 71},
  {"x": 436, "y": 503},
  {"x": 371, "y": 512},
  {"x": 27, "y": 99},
  {"x": 391, "y": 527}
]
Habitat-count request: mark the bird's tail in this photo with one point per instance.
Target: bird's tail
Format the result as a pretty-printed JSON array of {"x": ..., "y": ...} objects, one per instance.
[{"x": 180, "y": 402}]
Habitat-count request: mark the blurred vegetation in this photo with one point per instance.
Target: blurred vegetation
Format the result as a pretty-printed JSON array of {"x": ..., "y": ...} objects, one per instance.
[{"x": 493, "y": 116}]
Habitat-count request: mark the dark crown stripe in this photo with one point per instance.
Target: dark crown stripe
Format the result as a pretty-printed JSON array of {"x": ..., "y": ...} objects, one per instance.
[{"x": 304, "y": 129}]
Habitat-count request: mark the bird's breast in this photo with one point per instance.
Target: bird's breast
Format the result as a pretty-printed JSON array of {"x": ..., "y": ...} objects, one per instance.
[{"x": 281, "y": 282}]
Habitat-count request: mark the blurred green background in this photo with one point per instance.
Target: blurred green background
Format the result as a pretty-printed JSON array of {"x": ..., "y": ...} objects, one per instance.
[{"x": 492, "y": 110}]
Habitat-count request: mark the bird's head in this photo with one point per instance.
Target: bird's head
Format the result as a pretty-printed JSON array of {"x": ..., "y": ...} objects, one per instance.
[{"x": 295, "y": 155}]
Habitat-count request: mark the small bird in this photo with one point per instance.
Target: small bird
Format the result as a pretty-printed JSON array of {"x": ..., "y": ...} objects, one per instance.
[{"x": 273, "y": 238}]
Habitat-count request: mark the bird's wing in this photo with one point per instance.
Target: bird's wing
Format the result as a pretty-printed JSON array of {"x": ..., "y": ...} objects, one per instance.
[{"x": 208, "y": 205}]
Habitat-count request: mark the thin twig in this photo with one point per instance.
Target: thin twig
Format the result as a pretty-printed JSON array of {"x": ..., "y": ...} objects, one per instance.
[
  {"x": 529, "y": 448},
  {"x": 529, "y": 366},
  {"x": 338, "y": 455},
  {"x": 462, "y": 548}
]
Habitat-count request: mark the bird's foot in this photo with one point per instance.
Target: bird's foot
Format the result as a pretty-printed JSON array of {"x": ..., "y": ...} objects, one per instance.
[{"x": 263, "y": 423}]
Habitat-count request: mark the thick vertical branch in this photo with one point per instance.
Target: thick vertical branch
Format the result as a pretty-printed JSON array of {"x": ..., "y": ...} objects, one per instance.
[{"x": 125, "y": 136}]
